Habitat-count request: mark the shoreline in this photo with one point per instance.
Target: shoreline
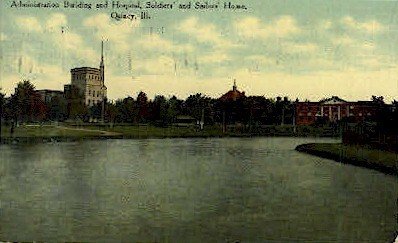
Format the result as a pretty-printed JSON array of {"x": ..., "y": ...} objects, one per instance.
[
  {"x": 62, "y": 133},
  {"x": 61, "y": 139},
  {"x": 379, "y": 160}
]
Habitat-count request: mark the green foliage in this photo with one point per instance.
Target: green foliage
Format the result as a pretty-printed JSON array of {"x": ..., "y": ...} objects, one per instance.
[
  {"x": 26, "y": 103},
  {"x": 2, "y": 102},
  {"x": 252, "y": 111},
  {"x": 76, "y": 107},
  {"x": 57, "y": 109}
]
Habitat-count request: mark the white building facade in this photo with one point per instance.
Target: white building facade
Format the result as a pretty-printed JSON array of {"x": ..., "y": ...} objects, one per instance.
[{"x": 90, "y": 82}]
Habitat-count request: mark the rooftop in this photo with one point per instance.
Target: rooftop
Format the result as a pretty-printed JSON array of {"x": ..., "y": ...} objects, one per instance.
[{"x": 233, "y": 94}]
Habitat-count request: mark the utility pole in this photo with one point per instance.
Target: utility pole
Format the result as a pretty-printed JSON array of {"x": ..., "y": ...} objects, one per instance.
[
  {"x": 202, "y": 120},
  {"x": 103, "y": 109},
  {"x": 102, "y": 69}
]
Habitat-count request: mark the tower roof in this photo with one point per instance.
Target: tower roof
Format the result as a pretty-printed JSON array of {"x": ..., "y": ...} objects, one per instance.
[
  {"x": 233, "y": 94},
  {"x": 102, "y": 53}
]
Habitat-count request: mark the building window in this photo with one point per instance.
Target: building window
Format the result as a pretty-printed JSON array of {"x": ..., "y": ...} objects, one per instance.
[
  {"x": 89, "y": 102},
  {"x": 93, "y": 93},
  {"x": 89, "y": 92}
]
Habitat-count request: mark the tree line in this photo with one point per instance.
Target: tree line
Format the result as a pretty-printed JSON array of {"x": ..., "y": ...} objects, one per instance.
[{"x": 26, "y": 105}]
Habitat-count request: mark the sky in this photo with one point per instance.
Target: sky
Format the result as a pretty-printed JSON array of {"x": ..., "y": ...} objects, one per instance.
[{"x": 307, "y": 49}]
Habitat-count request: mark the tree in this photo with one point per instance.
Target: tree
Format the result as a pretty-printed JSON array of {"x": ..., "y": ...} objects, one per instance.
[
  {"x": 142, "y": 105},
  {"x": 76, "y": 108},
  {"x": 378, "y": 99},
  {"x": 126, "y": 110},
  {"x": 174, "y": 108},
  {"x": 2, "y": 103},
  {"x": 27, "y": 103},
  {"x": 199, "y": 105},
  {"x": 111, "y": 112},
  {"x": 159, "y": 110},
  {"x": 95, "y": 111},
  {"x": 57, "y": 109}
]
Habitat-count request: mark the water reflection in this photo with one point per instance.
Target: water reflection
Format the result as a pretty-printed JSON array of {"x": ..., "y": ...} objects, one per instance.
[{"x": 189, "y": 190}]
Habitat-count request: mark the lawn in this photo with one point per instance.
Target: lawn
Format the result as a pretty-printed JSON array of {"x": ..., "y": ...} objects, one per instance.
[
  {"x": 148, "y": 131},
  {"x": 46, "y": 131},
  {"x": 385, "y": 161}
]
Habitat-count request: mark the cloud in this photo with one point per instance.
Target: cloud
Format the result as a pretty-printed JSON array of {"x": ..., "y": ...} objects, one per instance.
[
  {"x": 32, "y": 24},
  {"x": 43, "y": 76},
  {"x": 160, "y": 65},
  {"x": 216, "y": 57},
  {"x": 369, "y": 27},
  {"x": 118, "y": 32},
  {"x": 300, "y": 47},
  {"x": 56, "y": 30},
  {"x": 343, "y": 40},
  {"x": 3, "y": 36},
  {"x": 353, "y": 47},
  {"x": 204, "y": 33},
  {"x": 66, "y": 39},
  {"x": 56, "y": 21},
  {"x": 325, "y": 24},
  {"x": 313, "y": 86},
  {"x": 320, "y": 84},
  {"x": 259, "y": 58},
  {"x": 29, "y": 23},
  {"x": 154, "y": 41},
  {"x": 252, "y": 27},
  {"x": 168, "y": 85}
]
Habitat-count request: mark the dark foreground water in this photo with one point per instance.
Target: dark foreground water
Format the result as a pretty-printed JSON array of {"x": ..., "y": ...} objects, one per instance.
[{"x": 186, "y": 190}]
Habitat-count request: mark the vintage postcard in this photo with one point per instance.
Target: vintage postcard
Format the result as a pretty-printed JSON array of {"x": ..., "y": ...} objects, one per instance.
[{"x": 198, "y": 121}]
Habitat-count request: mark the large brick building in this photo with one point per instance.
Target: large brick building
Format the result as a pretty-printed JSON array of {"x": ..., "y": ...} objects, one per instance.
[
  {"x": 332, "y": 110},
  {"x": 47, "y": 95},
  {"x": 90, "y": 82}
]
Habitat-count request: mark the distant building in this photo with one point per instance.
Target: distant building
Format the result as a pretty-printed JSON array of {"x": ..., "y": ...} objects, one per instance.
[
  {"x": 233, "y": 94},
  {"x": 332, "y": 110},
  {"x": 90, "y": 82},
  {"x": 47, "y": 95}
]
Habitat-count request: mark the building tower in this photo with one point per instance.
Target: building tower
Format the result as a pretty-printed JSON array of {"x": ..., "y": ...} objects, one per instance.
[
  {"x": 90, "y": 82},
  {"x": 102, "y": 67}
]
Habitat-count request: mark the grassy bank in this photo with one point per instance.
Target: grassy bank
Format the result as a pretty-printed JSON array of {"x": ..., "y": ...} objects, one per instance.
[
  {"x": 45, "y": 133},
  {"x": 384, "y": 161},
  {"x": 68, "y": 132},
  {"x": 145, "y": 131}
]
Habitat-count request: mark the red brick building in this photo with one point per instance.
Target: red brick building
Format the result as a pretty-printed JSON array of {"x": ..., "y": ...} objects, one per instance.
[{"x": 332, "y": 110}]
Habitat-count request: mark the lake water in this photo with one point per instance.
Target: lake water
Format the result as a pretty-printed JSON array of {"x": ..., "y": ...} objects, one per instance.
[{"x": 190, "y": 190}]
